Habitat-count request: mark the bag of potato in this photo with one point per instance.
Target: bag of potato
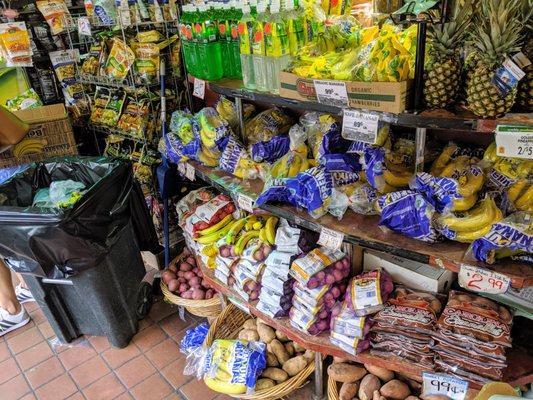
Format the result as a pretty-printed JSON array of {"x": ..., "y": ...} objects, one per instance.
[{"x": 368, "y": 292}]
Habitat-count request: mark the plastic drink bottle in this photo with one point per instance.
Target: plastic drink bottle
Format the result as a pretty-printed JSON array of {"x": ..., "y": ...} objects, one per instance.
[
  {"x": 188, "y": 44},
  {"x": 277, "y": 47},
  {"x": 295, "y": 28},
  {"x": 210, "y": 58},
  {"x": 235, "y": 16},
  {"x": 224, "y": 37},
  {"x": 259, "y": 48},
  {"x": 245, "y": 46}
]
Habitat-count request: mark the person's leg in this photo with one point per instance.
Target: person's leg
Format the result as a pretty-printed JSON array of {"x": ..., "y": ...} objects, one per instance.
[
  {"x": 8, "y": 298},
  {"x": 23, "y": 293},
  {"x": 12, "y": 313}
]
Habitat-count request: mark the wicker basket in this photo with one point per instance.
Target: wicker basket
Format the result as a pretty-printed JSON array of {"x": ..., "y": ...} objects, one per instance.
[
  {"x": 333, "y": 389},
  {"x": 200, "y": 308},
  {"x": 227, "y": 326}
]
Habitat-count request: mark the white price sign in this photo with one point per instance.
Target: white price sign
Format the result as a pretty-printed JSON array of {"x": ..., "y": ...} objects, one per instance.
[
  {"x": 84, "y": 26},
  {"x": 245, "y": 202},
  {"x": 190, "y": 173},
  {"x": 514, "y": 141},
  {"x": 360, "y": 126},
  {"x": 330, "y": 238},
  {"x": 482, "y": 280},
  {"x": 199, "y": 88},
  {"x": 125, "y": 16},
  {"x": 182, "y": 168},
  {"x": 332, "y": 93},
  {"x": 440, "y": 384}
]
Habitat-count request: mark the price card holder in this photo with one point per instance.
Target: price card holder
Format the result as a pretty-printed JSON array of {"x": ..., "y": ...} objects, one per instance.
[
  {"x": 182, "y": 169},
  {"x": 84, "y": 26},
  {"x": 514, "y": 141},
  {"x": 330, "y": 238},
  {"x": 199, "y": 88},
  {"x": 245, "y": 202},
  {"x": 440, "y": 384},
  {"x": 190, "y": 174},
  {"x": 360, "y": 126},
  {"x": 483, "y": 280},
  {"x": 332, "y": 93}
]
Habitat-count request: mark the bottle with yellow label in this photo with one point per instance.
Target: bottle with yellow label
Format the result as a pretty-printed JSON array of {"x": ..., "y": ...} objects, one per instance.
[
  {"x": 245, "y": 28},
  {"x": 259, "y": 47}
]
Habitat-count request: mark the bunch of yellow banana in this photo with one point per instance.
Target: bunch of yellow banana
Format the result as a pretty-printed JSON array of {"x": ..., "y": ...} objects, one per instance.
[
  {"x": 472, "y": 224},
  {"x": 29, "y": 146},
  {"x": 245, "y": 229},
  {"x": 521, "y": 195},
  {"x": 290, "y": 165},
  {"x": 208, "y": 157},
  {"x": 215, "y": 232},
  {"x": 399, "y": 169}
]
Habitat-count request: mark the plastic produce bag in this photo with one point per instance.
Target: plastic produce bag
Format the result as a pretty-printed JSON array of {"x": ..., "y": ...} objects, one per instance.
[
  {"x": 319, "y": 266},
  {"x": 295, "y": 161},
  {"x": 368, "y": 292},
  {"x": 271, "y": 150},
  {"x": 266, "y": 125},
  {"x": 194, "y": 338},
  {"x": 60, "y": 242}
]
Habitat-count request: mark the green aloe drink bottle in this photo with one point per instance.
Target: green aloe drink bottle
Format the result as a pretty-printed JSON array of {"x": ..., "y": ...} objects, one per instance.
[
  {"x": 222, "y": 17},
  {"x": 210, "y": 57},
  {"x": 235, "y": 16},
  {"x": 245, "y": 29},
  {"x": 295, "y": 27},
  {"x": 277, "y": 46},
  {"x": 188, "y": 43},
  {"x": 259, "y": 48}
]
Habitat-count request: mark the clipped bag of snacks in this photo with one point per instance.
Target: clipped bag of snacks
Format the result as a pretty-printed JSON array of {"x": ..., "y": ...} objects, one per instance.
[{"x": 56, "y": 13}]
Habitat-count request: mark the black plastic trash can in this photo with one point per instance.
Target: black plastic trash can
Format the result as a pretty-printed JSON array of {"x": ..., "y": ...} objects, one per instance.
[{"x": 83, "y": 263}]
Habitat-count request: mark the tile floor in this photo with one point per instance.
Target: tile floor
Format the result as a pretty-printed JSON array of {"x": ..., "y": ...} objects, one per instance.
[{"x": 33, "y": 365}]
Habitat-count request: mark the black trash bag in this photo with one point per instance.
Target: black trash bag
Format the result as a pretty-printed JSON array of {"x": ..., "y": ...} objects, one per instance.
[{"x": 61, "y": 242}]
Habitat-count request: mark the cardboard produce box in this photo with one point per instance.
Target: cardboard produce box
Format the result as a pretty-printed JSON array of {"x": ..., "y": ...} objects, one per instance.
[
  {"x": 378, "y": 96},
  {"x": 50, "y": 136},
  {"x": 412, "y": 274}
]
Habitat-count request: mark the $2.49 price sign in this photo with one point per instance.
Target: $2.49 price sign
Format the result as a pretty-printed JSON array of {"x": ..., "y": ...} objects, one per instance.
[
  {"x": 482, "y": 280},
  {"x": 435, "y": 384}
]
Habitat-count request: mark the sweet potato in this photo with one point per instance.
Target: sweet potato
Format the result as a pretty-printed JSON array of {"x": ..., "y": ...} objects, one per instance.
[
  {"x": 276, "y": 374},
  {"x": 395, "y": 389},
  {"x": 266, "y": 333},
  {"x": 276, "y": 347},
  {"x": 264, "y": 383},
  {"x": 272, "y": 360},
  {"x": 250, "y": 324},
  {"x": 249, "y": 334},
  {"x": 295, "y": 365},
  {"x": 290, "y": 349},
  {"x": 343, "y": 372},
  {"x": 382, "y": 373},
  {"x": 281, "y": 336},
  {"x": 369, "y": 384},
  {"x": 348, "y": 390}
]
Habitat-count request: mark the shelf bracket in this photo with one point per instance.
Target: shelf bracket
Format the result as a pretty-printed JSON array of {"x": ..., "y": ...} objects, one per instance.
[
  {"x": 319, "y": 377},
  {"x": 240, "y": 113},
  {"x": 420, "y": 146}
]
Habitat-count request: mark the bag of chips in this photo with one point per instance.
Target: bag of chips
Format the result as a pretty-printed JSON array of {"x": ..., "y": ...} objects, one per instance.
[
  {"x": 16, "y": 44},
  {"x": 121, "y": 58},
  {"x": 54, "y": 12}
]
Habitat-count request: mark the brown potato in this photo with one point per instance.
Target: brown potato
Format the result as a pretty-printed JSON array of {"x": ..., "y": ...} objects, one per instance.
[
  {"x": 343, "y": 372},
  {"x": 276, "y": 374},
  {"x": 348, "y": 390},
  {"x": 249, "y": 334},
  {"x": 340, "y": 360},
  {"x": 272, "y": 360},
  {"x": 250, "y": 324},
  {"x": 290, "y": 349},
  {"x": 382, "y": 373},
  {"x": 369, "y": 384},
  {"x": 412, "y": 398},
  {"x": 264, "y": 383},
  {"x": 281, "y": 336},
  {"x": 299, "y": 348},
  {"x": 295, "y": 365},
  {"x": 309, "y": 355},
  {"x": 376, "y": 395},
  {"x": 276, "y": 347},
  {"x": 266, "y": 333},
  {"x": 395, "y": 389}
]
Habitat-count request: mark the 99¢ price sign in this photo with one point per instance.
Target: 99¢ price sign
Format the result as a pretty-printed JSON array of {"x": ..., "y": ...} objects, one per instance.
[
  {"x": 360, "y": 126},
  {"x": 332, "y": 93},
  {"x": 440, "y": 384},
  {"x": 482, "y": 280}
]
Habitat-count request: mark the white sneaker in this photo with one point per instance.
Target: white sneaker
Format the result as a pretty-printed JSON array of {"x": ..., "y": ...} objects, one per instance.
[
  {"x": 10, "y": 322},
  {"x": 23, "y": 295}
]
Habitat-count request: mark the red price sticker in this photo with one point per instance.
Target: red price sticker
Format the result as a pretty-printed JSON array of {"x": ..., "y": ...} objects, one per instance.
[{"x": 483, "y": 280}]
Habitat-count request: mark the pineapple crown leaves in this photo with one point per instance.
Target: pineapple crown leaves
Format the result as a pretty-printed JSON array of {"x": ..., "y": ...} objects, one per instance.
[
  {"x": 497, "y": 33},
  {"x": 448, "y": 37}
]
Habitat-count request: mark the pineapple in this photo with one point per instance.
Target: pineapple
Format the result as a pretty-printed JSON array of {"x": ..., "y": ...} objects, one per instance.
[
  {"x": 524, "y": 96},
  {"x": 497, "y": 34},
  {"x": 443, "y": 69}
]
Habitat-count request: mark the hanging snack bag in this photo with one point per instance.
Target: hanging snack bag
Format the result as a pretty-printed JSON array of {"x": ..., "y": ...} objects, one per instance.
[
  {"x": 146, "y": 61},
  {"x": 26, "y": 100},
  {"x": 106, "y": 11},
  {"x": 121, "y": 58},
  {"x": 54, "y": 12},
  {"x": 108, "y": 105},
  {"x": 91, "y": 63},
  {"x": 15, "y": 41},
  {"x": 64, "y": 64},
  {"x": 368, "y": 292},
  {"x": 135, "y": 117}
]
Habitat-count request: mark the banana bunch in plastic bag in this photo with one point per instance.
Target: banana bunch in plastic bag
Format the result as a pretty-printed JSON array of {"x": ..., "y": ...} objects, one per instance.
[{"x": 295, "y": 161}]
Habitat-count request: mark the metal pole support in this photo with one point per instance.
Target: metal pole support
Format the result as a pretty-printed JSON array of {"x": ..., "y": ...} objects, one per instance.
[
  {"x": 419, "y": 66},
  {"x": 240, "y": 112},
  {"x": 420, "y": 146},
  {"x": 319, "y": 377}
]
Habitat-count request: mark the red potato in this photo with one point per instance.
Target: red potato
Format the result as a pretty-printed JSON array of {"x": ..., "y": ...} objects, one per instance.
[
  {"x": 225, "y": 251},
  {"x": 330, "y": 279},
  {"x": 337, "y": 275},
  {"x": 182, "y": 280},
  {"x": 187, "y": 295},
  {"x": 185, "y": 266},
  {"x": 167, "y": 276},
  {"x": 173, "y": 268},
  {"x": 195, "y": 270},
  {"x": 181, "y": 274},
  {"x": 173, "y": 285},
  {"x": 200, "y": 274},
  {"x": 208, "y": 295},
  {"x": 346, "y": 263},
  {"x": 194, "y": 281},
  {"x": 335, "y": 292},
  {"x": 198, "y": 294},
  {"x": 189, "y": 275},
  {"x": 183, "y": 288},
  {"x": 323, "y": 314},
  {"x": 339, "y": 265},
  {"x": 191, "y": 261},
  {"x": 321, "y": 276},
  {"x": 313, "y": 283}
]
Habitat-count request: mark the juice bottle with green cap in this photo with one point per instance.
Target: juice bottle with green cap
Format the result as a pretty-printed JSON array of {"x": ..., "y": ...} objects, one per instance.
[
  {"x": 209, "y": 52},
  {"x": 224, "y": 37},
  {"x": 186, "y": 26},
  {"x": 295, "y": 27},
  {"x": 245, "y": 29},
  {"x": 259, "y": 48},
  {"x": 235, "y": 16},
  {"x": 277, "y": 46}
]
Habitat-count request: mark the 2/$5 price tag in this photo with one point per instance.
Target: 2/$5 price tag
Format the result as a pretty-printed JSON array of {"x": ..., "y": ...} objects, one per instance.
[
  {"x": 440, "y": 384},
  {"x": 332, "y": 93},
  {"x": 199, "y": 88},
  {"x": 514, "y": 141},
  {"x": 482, "y": 280},
  {"x": 330, "y": 238},
  {"x": 360, "y": 126}
]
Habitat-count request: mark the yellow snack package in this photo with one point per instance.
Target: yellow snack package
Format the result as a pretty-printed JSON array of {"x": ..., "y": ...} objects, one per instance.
[
  {"x": 146, "y": 61},
  {"x": 16, "y": 44},
  {"x": 121, "y": 58},
  {"x": 54, "y": 12},
  {"x": 152, "y": 36}
]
